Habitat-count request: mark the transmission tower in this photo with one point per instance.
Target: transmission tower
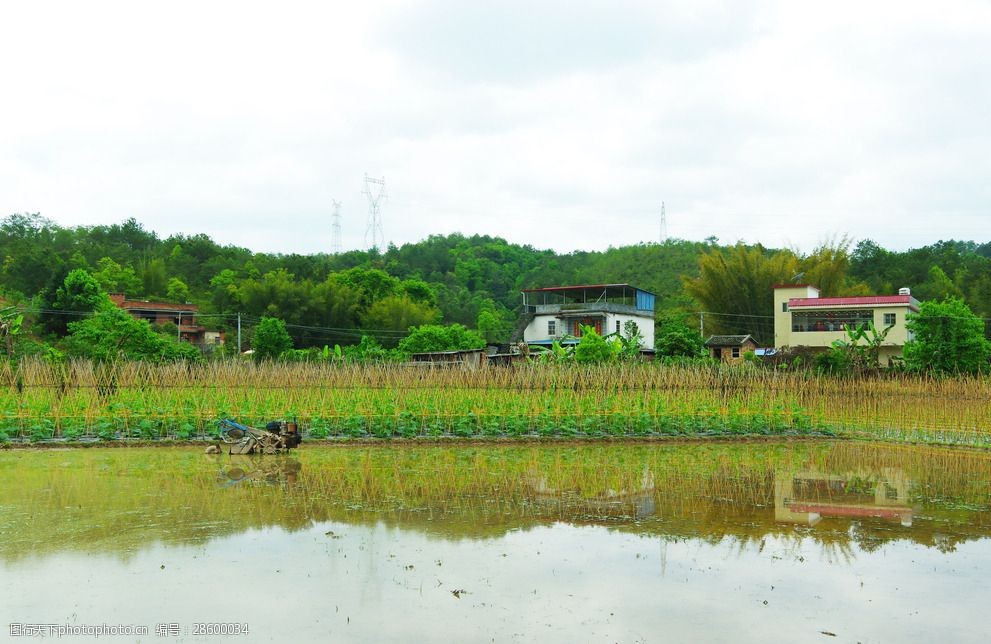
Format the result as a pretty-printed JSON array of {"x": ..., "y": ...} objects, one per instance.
[
  {"x": 664, "y": 225},
  {"x": 375, "y": 191},
  {"x": 335, "y": 241}
]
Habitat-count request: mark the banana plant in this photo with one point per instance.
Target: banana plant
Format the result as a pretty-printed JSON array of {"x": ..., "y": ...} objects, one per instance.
[
  {"x": 10, "y": 326},
  {"x": 862, "y": 345}
]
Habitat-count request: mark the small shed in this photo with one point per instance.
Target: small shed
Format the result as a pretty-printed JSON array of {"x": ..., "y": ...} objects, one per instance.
[
  {"x": 468, "y": 358},
  {"x": 730, "y": 348}
]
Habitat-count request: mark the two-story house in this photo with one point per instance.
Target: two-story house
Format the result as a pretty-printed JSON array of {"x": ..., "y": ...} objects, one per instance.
[
  {"x": 803, "y": 319},
  {"x": 560, "y": 312}
]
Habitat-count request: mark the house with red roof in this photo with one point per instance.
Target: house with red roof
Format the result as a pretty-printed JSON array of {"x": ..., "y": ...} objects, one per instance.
[{"x": 803, "y": 319}]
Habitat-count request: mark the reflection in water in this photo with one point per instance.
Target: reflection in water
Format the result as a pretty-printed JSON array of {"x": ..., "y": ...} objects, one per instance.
[
  {"x": 120, "y": 500},
  {"x": 806, "y": 497},
  {"x": 272, "y": 470},
  {"x": 549, "y": 543},
  {"x": 634, "y": 502}
]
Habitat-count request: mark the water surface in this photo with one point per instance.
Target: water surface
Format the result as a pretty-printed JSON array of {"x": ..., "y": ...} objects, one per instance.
[{"x": 704, "y": 542}]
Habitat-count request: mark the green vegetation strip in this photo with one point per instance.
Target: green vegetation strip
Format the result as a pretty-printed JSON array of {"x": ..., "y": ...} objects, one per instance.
[{"x": 83, "y": 400}]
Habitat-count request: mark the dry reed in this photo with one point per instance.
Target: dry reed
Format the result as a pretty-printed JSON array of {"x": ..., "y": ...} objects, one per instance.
[{"x": 79, "y": 399}]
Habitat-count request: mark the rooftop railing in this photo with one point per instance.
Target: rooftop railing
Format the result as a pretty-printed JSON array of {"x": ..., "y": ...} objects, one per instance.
[{"x": 603, "y": 307}]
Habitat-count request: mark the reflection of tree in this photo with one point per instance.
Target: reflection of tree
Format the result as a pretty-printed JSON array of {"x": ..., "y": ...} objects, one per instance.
[
  {"x": 865, "y": 539},
  {"x": 945, "y": 543},
  {"x": 835, "y": 551}
]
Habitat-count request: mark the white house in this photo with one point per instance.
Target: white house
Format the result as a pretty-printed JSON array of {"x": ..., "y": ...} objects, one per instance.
[{"x": 559, "y": 312}]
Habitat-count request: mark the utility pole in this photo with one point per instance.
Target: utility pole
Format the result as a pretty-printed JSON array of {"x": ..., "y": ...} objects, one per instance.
[
  {"x": 335, "y": 240},
  {"x": 702, "y": 323},
  {"x": 375, "y": 191},
  {"x": 238, "y": 334}
]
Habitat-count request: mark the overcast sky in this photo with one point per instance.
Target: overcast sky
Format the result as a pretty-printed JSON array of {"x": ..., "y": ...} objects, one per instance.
[{"x": 560, "y": 124}]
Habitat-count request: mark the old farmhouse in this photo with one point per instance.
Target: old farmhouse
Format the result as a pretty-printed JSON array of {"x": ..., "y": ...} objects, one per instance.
[
  {"x": 731, "y": 349},
  {"x": 181, "y": 315}
]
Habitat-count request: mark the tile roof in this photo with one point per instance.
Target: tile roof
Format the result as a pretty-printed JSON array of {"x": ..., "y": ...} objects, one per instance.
[
  {"x": 869, "y": 300},
  {"x": 729, "y": 340}
]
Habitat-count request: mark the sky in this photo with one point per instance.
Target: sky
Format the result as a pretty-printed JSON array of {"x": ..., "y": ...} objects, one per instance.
[{"x": 562, "y": 125}]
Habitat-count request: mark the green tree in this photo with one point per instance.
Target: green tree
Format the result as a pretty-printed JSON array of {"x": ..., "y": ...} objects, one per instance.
[
  {"x": 419, "y": 291},
  {"x": 397, "y": 314},
  {"x": 28, "y": 253},
  {"x": 434, "y": 337},
  {"x": 373, "y": 284},
  {"x": 368, "y": 350},
  {"x": 631, "y": 340},
  {"x": 277, "y": 293},
  {"x": 948, "y": 338},
  {"x": 177, "y": 291},
  {"x": 593, "y": 348},
  {"x": 676, "y": 338},
  {"x": 225, "y": 290},
  {"x": 79, "y": 295},
  {"x": 938, "y": 286},
  {"x": 112, "y": 333},
  {"x": 271, "y": 339},
  {"x": 335, "y": 305},
  {"x": 154, "y": 278},
  {"x": 114, "y": 278},
  {"x": 737, "y": 283},
  {"x": 827, "y": 267},
  {"x": 493, "y": 322}
]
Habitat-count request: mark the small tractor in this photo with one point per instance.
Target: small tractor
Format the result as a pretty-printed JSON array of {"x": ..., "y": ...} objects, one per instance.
[{"x": 277, "y": 437}]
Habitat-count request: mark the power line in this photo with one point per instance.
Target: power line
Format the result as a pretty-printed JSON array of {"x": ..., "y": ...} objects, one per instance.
[
  {"x": 763, "y": 322},
  {"x": 738, "y": 315}
]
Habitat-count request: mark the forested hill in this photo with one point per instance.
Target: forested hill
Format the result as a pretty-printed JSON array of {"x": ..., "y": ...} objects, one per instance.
[{"x": 472, "y": 280}]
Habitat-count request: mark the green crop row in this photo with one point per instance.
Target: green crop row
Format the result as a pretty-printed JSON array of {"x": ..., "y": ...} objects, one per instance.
[{"x": 132, "y": 400}]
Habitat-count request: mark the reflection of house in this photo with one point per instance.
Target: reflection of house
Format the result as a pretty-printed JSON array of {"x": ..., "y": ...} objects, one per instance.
[
  {"x": 807, "y": 497},
  {"x": 560, "y": 312},
  {"x": 181, "y": 315},
  {"x": 730, "y": 348},
  {"x": 803, "y": 319},
  {"x": 636, "y": 502}
]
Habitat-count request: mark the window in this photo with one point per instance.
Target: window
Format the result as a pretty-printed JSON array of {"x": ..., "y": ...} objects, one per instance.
[
  {"x": 736, "y": 352},
  {"x": 617, "y": 327},
  {"x": 551, "y": 328},
  {"x": 889, "y": 319},
  {"x": 593, "y": 323},
  {"x": 823, "y": 320},
  {"x": 784, "y": 307}
]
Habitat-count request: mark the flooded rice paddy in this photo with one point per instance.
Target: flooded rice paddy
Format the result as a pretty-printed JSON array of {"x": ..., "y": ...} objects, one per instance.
[{"x": 756, "y": 542}]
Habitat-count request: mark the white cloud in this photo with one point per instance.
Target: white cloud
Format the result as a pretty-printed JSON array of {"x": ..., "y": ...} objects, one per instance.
[{"x": 556, "y": 124}]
